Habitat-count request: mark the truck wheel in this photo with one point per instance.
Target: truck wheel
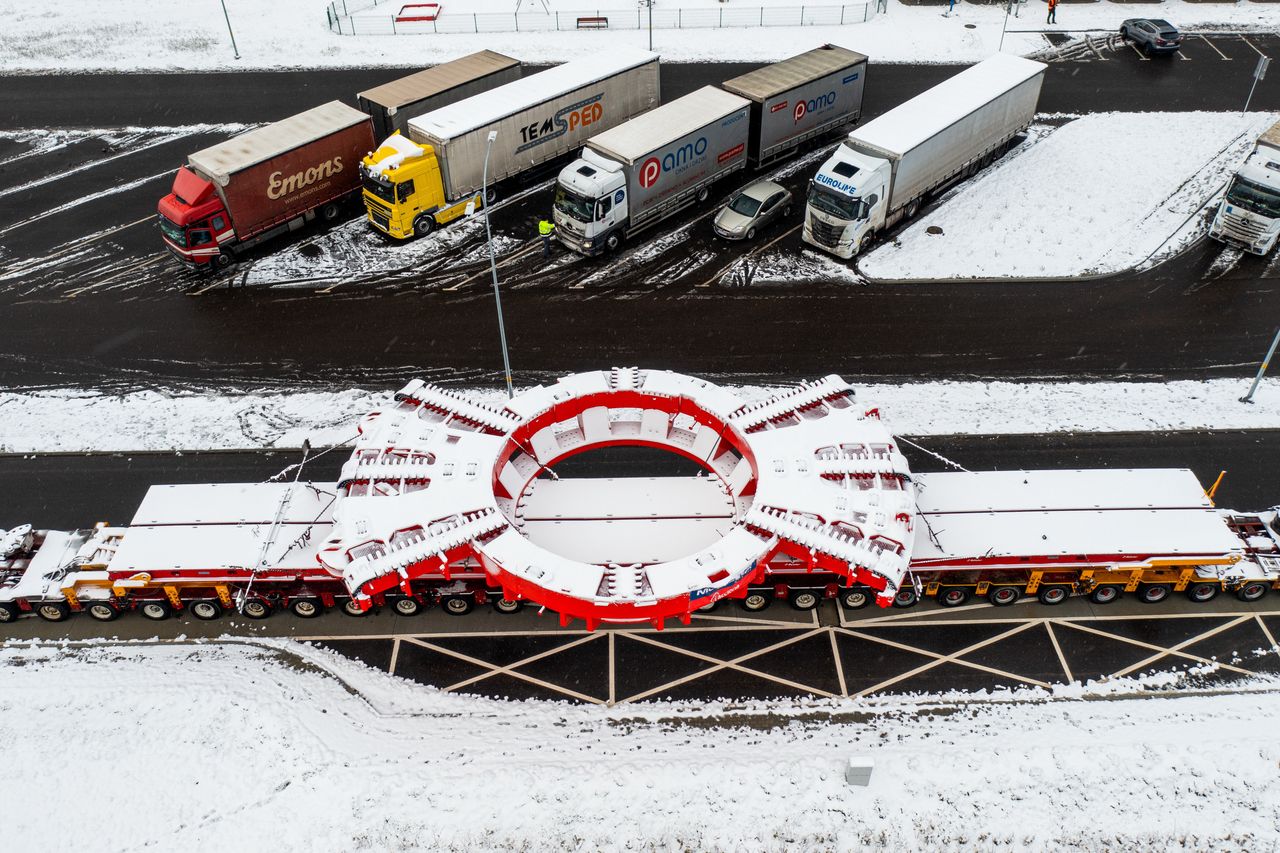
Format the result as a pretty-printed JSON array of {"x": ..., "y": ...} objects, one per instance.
[
  {"x": 1003, "y": 596},
  {"x": 352, "y": 609},
  {"x": 953, "y": 596},
  {"x": 223, "y": 260},
  {"x": 54, "y": 611},
  {"x": 490, "y": 197},
  {"x": 507, "y": 605},
  {"x": 306, "y": 608},
  {"x": 913, "y": 208},
  {"x": 103, "y": 611},
  {"x": 856, "y": 598},
  {"x": 703, "y": 195},
  {"x": 1252, "y": 591},
  {"x": 406, "y": 606},
  {"x": 9, "y": 611},
  {"x": 458, "y": 605},
  {"x": 424, "y": 225},
  {"x": 805, "y": 600},
  {"x": 906, "y": 597},
  {"x": 329, "y": 212},
  {"x": 613, "y": 242},
  {"x": 255, "y": 608},
  {"x": 1053, "y": 594},
  {"x": 155, "y": 610},
  {"x": 1202, "y": 592},
  {"x": 1153, "y": 593},
  {"x": 206, "y": 609},
  {"x": 1106, "y": 594},
  {"x": 756, "y": 601}
]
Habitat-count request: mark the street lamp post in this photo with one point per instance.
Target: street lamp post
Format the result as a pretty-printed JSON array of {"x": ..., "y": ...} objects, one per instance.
[
  {"x": 229, "y": 30},
  {"x": 493, "y": 263}
]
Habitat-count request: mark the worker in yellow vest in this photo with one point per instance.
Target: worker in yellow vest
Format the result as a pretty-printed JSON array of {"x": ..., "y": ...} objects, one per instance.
[{"x": 545, "y": 230}]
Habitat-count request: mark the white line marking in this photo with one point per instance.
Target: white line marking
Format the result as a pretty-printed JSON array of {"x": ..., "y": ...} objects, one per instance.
[
  {"x": 1215, "y": 49},
  {"x": 1275, "y": 647},
  {"x": 613, "y": 689},
  {"x": 1165, "y": 651},
  {"x": 835, "y": 654},
  {"x": 1252, "y": 45},
  {"x": 1062, "y": 659},
  {"x": 395, "y": 656},
  {"x": 494, "y": 669},
  {"x": 952, "y": 658}
]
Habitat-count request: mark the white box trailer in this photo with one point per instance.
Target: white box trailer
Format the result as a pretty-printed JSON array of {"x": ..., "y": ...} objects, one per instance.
[
  {"x": 883, "y": 170},
  {"x": 800, "y": 98},
  {"x": 392, "y": 104},
  {"x": 645, "y": 170},
  {"x": 537, "y": 118}
]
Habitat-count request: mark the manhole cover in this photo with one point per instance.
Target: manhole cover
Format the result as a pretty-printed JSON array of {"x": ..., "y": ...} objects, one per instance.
[
  {"x": 933, "y": 229},
  {"x": 970, "y": 26}
]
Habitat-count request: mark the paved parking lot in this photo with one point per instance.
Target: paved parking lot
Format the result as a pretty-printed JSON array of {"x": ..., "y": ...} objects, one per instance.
[{"x": 1203, "y": 47}]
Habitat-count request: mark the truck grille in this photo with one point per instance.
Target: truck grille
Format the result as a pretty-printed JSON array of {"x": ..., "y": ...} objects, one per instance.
[
  {"x": 380, "y": 215},
  {"x": 827, "y": 235},
  {"x": 1241, "y": 228}
]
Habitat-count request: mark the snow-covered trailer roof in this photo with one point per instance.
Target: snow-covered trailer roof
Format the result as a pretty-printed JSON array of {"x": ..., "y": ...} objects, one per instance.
[
  {"x": 661, "y": 126},
  {"x": 225, "y": 159},
  {"x": 195, "y": 547},
  {"x": 488, "y": 107},
  {"x": 764, "y": 83},
  {"x": 437, "y": 79},
  {"x": 930, "y": 112},
  {"x": 1112, "y": 488},
  {"x": 1271, "y": 136},
  {"x": 234, "y": 503}
]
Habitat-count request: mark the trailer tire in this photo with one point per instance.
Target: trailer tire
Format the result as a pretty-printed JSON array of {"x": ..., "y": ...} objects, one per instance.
[
  {"x": 754, "y": 602},
  {"x": 613, "y": 242},
  {"x": 54, "y": 611},
  {"x": 490, "y": 197},
  {"x": 406, "y": 606},
  {"x": 458, "y": 605},
  {"x": 856, "y": 598},
  {"x": 710, "y": 605},
  {"x": 9, "y": 611},
  {"x": 255, "y": 608},
  {"x": 703, "y": 195},
  {"x": 1053, "y": 594},
  {"x": 1107, "y": 593},
  {"x": 103, "y": 611},
  {"x": 1154, "y": 593},
  {"x": 329, "y": 212},
  {"x": 1003, "y": 596},
  {"x": 805, "y": 599},
  {"x": 205, "y": 609},
  {"x": 913, "y": 207},
  {"x": 507, "y": 605},
  {"x": 952, "y": 596},
  {"x": 1252, "y": 591},
  {"x": 1202, "y": 592},
  {"x": 353, "y": 610},
  {"x": 155, "y": 609},
  {"x": 906, "y": 597},
  {"x": 424, "y": 225},
  {"x": 306, "y": 608}
]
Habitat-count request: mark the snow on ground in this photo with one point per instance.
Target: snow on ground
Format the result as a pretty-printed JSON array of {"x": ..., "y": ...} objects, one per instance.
[
  {"x": 79, "y": 420},
  {"x": 1101, "y": 194},
  {"x": 131, "y": 35},
  {"x": 225, "y": 746}
]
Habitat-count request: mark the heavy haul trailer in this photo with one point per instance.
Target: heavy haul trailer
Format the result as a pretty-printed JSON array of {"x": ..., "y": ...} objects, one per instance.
[
  {"x": 806, "y": 497},
  {"x": 392, "y": 104}
]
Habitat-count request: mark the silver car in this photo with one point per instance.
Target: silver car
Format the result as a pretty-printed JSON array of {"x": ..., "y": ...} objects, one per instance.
[{"x": 751, "y": 209}]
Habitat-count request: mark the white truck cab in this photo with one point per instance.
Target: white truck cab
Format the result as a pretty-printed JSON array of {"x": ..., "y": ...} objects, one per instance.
[
  {"x": 590, "y": 209},
  {"x": 1249, "y": 215},
  {"x": 847, "y": 201}
]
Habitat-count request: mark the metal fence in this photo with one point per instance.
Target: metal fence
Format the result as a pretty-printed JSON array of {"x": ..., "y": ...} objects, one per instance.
[{"x": 343, "y": 20}]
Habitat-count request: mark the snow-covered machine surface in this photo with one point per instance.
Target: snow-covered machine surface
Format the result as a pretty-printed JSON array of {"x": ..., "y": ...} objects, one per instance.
[{"x": 804, "y": 496}]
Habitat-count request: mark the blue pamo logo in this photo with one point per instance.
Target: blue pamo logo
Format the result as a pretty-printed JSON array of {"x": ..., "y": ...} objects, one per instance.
[{"x": 835, "y": 183}]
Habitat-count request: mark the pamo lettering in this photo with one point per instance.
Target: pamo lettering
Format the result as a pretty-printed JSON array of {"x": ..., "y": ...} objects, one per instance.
[
  {"x": 835, "y": 183},
  {"x": 573, "y": 117},
  {"x": 653, "y": 168},
  {"x": 822, "y": 102},
  {"x": 279, "y": 186}
]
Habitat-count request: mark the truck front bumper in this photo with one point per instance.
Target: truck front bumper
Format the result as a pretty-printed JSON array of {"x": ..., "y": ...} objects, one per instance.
[{"x": 581, "y": 245}]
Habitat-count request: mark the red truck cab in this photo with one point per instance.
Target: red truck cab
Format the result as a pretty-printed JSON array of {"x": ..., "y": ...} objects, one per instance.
[{"x": 194, "y": 221}]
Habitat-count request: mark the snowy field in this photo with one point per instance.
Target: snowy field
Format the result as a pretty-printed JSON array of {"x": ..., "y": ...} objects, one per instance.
[
  {"x": 226, "y": 746},
  {"x": 63, "y": 420},
  {"x": 1101, "y": 194},
  {"x": 130, "y": 35}
]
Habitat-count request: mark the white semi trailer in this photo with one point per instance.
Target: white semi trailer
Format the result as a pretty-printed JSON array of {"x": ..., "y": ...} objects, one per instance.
[
  {"x": 883, "y": 170},
  {"x": 1249, "y": 216}
]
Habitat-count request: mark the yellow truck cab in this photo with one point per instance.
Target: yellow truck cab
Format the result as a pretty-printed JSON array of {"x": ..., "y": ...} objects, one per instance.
[{"x": 403, "y": 191}]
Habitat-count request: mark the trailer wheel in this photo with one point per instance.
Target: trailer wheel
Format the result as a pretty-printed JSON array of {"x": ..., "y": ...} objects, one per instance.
[
  {"x": 710, "y": 605},
  {"x": 458, "y": 605},
  {"x": 329, "y": 212},
  {"x": 1003, "y": 596},
  {"x": 754, "y": 602},
  {"x": 352, "y": 609},
  {"x": 906, "y": 597},
  {"x": 507, "y": 605},
  {"x": 103, "y": 611},
  {"x": 156, "y": 610},
  {"x": 54, "y": 611},
  {"x": 1153, "y": 593},
  {"x": 1053, "y": 594},
  {"x": 613, "y": 242},
  {"x": 953, "y": 596},
  {"x": 255, "y": 608},
  {"x": 1202, "y": 592},
  {"x": 703, "y": 195},
  {"x": 490, "y": 197},
  {"x": 306, "y": 608},
  {"x": 1252, "y": 591},
  {"x": 406, "y": 606},
  {"x": 424, "y": 225},
  {"x": 9, "y": 611},
  {"x": 805, "y": 600},
  {"x": 205, "y": 609},
  {"x": 856, "y": 598},
  {"x": 913, "y": 208},
  {"x": 1105, "y": 594}
]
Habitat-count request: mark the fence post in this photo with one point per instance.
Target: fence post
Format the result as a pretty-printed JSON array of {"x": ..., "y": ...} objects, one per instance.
[
  {"x": 393, "y": 25},
  {"x": 762, "y": 16},
  {"x": 680, "y": 19},
  {"x": 722, "y": 17},
  {"x": 475, "y": 22},
  {"x": 344, "y": 9},
  {"x": 516, "y": 19},
  {"x": 353, "y": 25},
  {"x": 557, "y": 21}
]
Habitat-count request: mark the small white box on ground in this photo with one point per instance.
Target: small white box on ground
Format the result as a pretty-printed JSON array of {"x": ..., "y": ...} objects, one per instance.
[{"x": 859, "y": 770}]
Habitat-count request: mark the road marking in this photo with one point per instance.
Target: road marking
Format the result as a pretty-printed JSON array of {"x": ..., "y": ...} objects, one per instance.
[
  {"x": 1251, "y": 44},
  {"x": 1165, "y": 651},
  {"x": 719, "y": 274},
  {"x": 1183, "y": 58},
  {"x": 613, "y": 689},
  {"x": 748, "y": 620},
  {"x": 885, "y": 621},
  {"x": 210, "y": 286},
  {"x": 395, "y": 656},
  {"x": 1225, "y": 58},
  {"x": 494, "y": 669},
  {"x": 518, "y": 253},
  {"x": 116, "y": 274},
  {"x": 1053, "y": 638},
  {"x": 1141, "y": 55},
  {"x": 1275, "y": 647},
  {"x": 835, "y": 654}
]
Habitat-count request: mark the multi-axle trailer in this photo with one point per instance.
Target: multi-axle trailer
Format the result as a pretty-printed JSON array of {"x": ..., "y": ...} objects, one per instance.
[{"x": 805, "y": 496}]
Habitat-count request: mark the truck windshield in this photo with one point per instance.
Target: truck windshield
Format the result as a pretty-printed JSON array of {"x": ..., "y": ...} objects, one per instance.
[
  {"x": 384, "y": 190},
  {"x": 571, "y": 204},
  {"x": 173, "y": 231},
  {"x": 1254, "y": 198},
  {"x": 834, "y": 203}
]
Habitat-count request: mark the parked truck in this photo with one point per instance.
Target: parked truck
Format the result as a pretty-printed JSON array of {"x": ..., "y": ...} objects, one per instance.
[
  {"x": 264, "y": 183},
  {"x": 884, "y": 170},
  {"x": 391, "y": 105},
  {"x": 800, "y": 98},
  {"x": 639, "y": 173},
  {"x": 1249, "y": 216},
  {"x": 414, "y": 183}
]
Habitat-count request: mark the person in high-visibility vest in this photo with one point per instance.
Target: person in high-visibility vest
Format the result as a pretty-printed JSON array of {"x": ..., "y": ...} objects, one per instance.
[{"x": 545, "y": 230}]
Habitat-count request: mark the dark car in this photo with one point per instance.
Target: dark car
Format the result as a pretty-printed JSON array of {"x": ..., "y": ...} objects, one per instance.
[{"x": 1151, "y": 35}]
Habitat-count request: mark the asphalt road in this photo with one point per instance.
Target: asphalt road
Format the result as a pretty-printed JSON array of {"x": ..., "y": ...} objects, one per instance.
[{"x": 114, "y": 311}]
